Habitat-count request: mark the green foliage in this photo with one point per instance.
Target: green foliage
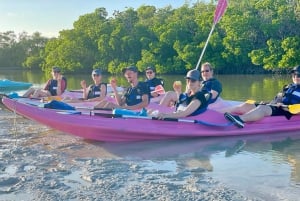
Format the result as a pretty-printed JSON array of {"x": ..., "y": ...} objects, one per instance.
[{"x": 252, "y": 36}]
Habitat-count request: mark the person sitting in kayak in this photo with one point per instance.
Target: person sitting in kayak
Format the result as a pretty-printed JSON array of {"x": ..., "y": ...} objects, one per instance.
[
  {"x": 54, "y": 87},
  {"x": 96, "y": 91},
  {"x": 209, "y": 84},
  {"x": 254, "y": 112},
  {"x": 137, "y": 96},
  {"x": 153, "y": 82},
  {"x": 192, "y": 103}
]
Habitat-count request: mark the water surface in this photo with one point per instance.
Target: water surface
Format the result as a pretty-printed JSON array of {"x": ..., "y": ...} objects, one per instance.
[{"x": 265, "y": 167}]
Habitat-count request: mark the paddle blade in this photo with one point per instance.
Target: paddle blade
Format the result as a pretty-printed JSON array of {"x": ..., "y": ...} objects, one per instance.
[
  {"x": 294, "y": 109},
  {"x": 159, "y": 89},
  {"x": 220, "y": 10},
  {"x": 250, "y": 101}
]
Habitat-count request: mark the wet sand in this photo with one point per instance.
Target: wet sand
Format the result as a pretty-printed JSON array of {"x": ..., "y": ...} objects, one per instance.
[{"x": 38, "y": 163}]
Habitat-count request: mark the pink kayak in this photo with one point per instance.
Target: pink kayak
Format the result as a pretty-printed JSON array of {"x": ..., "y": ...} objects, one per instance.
[{"x": 90, "y": 126}]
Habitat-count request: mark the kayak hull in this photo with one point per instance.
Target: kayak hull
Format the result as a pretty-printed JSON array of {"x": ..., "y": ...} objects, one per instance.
[
  {"x": 89, "y": 126},
  {"x": 7, "y": 85}
]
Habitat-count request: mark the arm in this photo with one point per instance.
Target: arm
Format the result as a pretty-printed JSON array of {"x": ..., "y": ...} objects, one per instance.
[
  {"x": 85, "y": 89},
  {"x": 193, "y": 106},
  {"x": 113, "y": 83},
  {"x": 46, "y": 87},
  {"x": 214, "y": 87},
  {"x": 61, "y": 85}
]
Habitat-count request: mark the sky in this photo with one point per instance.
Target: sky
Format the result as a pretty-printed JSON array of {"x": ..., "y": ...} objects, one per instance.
[{"x": 51, "y": 16}]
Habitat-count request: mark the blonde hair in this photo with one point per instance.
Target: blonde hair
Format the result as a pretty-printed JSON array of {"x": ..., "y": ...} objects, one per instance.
[{"x": 208, "y": 65}]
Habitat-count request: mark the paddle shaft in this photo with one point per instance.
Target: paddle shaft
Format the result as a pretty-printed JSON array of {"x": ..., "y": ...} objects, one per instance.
[
  {"x": 165, "y": 119},
  {"x": 293, "y": 109}
]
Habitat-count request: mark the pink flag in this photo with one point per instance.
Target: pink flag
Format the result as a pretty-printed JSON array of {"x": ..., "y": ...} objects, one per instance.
[{"x": 220, "y": 10}]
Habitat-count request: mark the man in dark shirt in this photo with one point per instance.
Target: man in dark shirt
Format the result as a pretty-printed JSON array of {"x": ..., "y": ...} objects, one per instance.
[
  {"x": 153, "y": 81},
  {"x": 135, "y": 97}
]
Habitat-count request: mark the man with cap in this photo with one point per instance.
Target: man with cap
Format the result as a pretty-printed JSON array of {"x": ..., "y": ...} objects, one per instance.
[
  {"x": 96, "y": 91},
  {"x": 254, "y": 112},
  {"x": 54, "y": 87},
  {"x": 153, "y": 82},
  {"x": 135, "y": 97},
  {"x": 190, "y": 103}
]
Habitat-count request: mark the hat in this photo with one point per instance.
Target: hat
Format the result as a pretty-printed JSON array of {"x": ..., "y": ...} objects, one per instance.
[
  {"x": 151, "y": 68},
  {"x": 131, "y": 68},
  {"x": 193, "y": 74},
  {"x": 296, "y": 70},
  {"x": 55, "y": 69},
  {"x": 96, "y": 72}
]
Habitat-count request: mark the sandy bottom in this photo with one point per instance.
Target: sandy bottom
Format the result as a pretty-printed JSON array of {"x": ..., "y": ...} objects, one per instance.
[{"x": 38, "y": 163}]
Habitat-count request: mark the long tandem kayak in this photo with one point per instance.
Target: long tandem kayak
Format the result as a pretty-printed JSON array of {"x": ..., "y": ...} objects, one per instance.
[{"x": 87, "y": 124}]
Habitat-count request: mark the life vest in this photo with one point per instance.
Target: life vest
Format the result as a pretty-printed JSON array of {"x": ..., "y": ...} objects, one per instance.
[
  {"x": 133, "y": 95},
  {"x": 291, "y": 94},
  {"x": 185, "y": 100},
  {"x": 95, "y": 91},
  {"x": 52, "y": 87}
]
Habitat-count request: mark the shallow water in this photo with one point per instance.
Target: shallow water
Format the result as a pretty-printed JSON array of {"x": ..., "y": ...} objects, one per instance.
[
  {"x": 262, "y": 167},
  {"x": 38, "y": 163}
]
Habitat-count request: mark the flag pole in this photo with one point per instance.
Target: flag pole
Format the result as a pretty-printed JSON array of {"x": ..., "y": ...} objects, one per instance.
[{"x": 220, "y": 10}]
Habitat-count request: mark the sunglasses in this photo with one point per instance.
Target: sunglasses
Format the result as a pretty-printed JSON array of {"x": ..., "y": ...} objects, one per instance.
[
  {"x": 96, "y": 75},
  {"x": 149, "y": 72},
  {"x": 191, "y": 80},
  {"x": 296, "y": 75},
  {"x": 205, "y": 71}
]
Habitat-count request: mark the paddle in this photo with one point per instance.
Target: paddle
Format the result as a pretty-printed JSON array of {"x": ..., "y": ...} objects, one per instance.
[
  {"x": 194, "y": 121},
  {"x": 293, "y": 109},
  {"x": 93, "y": 108}
]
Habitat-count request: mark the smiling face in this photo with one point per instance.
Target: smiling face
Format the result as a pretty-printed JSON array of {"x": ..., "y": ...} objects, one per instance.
[
  {"x": 96, "y": 78},
  {"x": 192, "y": 84},
  {"x": 150, "y": 74},
  {"x": 206, "y": 72},
  {"x": 55, "y": 74},
  {"x": 131, "y": 76},
  {"x": 296, "y": 78}
]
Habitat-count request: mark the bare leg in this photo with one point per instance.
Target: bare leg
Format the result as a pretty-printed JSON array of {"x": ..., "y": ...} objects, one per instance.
[
  {"x": 40, "y": 93},
  {"x": 257, "y": 113},
  {"x": 239, "y": 109},
  {"x": 170, "y": 97},
  {"x": 29, "y": 92}
]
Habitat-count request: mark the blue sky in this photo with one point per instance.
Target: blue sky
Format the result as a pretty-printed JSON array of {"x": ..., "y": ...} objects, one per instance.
[{"x": 50, "y": 16}]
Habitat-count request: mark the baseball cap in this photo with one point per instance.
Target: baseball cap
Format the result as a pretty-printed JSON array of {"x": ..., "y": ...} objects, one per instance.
[
  {"x": 151, "y": 68},
  {"x": 96, "y": 72},
  {"x": 193, "y": 74},
  {"x": 296, "y": 70},
  {"x": 131, "y": 68},
  {"x": 55, "y": 69}
]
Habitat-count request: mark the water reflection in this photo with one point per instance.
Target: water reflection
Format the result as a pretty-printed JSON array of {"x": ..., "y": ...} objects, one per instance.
[
  {"x": 285, "y": 147},
  {"x": 263, "y": 165}
]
